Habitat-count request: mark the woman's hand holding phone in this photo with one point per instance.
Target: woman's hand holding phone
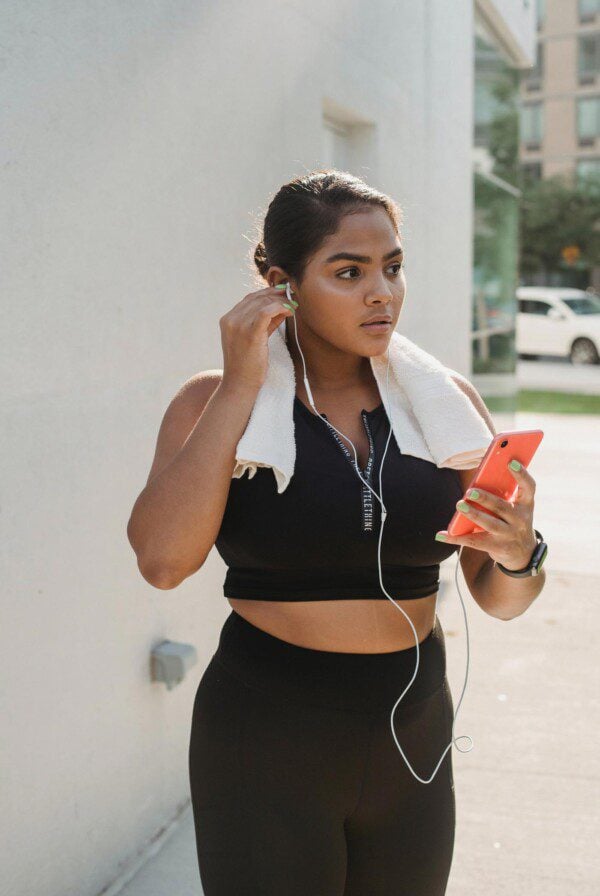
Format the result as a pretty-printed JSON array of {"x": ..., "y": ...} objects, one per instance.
[
  {"x": 505, "y": 524},
  {"x": 245, "y": 332}
]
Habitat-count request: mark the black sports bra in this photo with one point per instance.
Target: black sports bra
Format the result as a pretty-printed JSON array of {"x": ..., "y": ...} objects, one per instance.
[{"x": 318, "y": 539}]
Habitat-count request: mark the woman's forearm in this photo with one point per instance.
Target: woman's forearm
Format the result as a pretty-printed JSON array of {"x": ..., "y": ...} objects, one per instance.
[{"x": 502, "y": 596}]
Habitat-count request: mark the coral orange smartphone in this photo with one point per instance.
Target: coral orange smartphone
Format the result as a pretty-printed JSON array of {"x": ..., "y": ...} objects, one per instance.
[{"x": 492, "y": 474}]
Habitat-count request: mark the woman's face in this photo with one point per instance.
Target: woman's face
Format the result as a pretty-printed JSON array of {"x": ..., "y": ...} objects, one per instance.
[{"x": 337, "y": 296}]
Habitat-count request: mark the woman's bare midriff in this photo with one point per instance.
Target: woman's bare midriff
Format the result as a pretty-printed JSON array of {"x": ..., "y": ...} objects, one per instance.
[{"x": 342, "y": 626}]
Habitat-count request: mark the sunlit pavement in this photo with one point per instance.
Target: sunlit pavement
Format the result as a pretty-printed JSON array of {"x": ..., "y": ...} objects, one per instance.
[
  {"x": 528, "y": 801},
  {"x": 527, "y": 794}
]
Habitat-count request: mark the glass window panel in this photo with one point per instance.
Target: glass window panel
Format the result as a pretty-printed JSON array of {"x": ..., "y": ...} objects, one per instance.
[
  {"x": 497, "y": 178},
  {"x": 584, "y": 305},
  {"x": 588, "y": 7},
  {"x": 540, "y": 308},
  {"x": 588, "y": 174},
  {"x": 496, "y": 108},
  {"x": 531, "y": 123},
  {"x": 537, "y": 71},
  {"x": 494, "y": 277},
  {"x": 541, "y": 11},
  {"x": 589, "y": 54},
  {"x": 587, "y": 167},
  {"x": 588, "y": 116},
  {"x": 531, "y": 172}
]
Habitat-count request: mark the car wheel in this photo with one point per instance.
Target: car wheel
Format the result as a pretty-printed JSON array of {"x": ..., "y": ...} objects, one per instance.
[{"x": 583, "y": 351}]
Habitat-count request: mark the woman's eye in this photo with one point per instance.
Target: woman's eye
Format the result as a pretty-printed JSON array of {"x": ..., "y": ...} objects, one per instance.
[{"x": 397, "y": 264}]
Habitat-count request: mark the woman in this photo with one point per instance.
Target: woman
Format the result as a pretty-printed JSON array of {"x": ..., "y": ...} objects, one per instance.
[{"x": 297, "y": 786}]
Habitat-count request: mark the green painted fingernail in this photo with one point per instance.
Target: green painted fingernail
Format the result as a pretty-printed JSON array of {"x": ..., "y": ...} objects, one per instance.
[
  {"x": 439, "y": 536},
  {"x": 280, "y": 286},
  {"x": 473, "y": 494},
  {"x": 515, "y": 465},
  {"x": 294, "y": 303},
  {"x": 285, "y": 305},
  {"x": 462, "y": 505}
]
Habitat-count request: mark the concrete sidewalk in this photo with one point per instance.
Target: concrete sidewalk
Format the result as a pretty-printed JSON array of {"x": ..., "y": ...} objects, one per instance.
[{"x": 528, "y": 800}]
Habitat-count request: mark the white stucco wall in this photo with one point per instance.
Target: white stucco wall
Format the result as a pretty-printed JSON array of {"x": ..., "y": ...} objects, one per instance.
[{"x": 139, "y": 141}]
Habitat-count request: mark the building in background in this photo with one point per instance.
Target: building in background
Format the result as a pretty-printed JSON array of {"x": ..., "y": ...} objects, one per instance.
[
  {"x": 560, "y": 96},
  {"x": 560, "y": 100}
]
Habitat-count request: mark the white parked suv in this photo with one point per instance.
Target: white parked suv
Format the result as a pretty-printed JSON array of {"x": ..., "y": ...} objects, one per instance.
[{"x": 553, "y": 320}]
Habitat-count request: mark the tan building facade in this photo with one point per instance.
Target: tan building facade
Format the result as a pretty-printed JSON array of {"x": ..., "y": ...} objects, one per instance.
[{"x": 560, "y": 113}]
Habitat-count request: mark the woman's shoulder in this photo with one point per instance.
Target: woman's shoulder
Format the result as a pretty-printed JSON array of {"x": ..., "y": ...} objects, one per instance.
[
  {"x": 197, "y": 390},
  {"x": 181, "y": 416}
]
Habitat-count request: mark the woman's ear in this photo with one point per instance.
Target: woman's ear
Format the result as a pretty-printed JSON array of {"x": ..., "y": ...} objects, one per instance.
[{"x": 276, "y": 275}]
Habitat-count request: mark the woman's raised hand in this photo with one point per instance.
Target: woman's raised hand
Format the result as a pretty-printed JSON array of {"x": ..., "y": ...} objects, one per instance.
[{"x": 245, "y": 331}]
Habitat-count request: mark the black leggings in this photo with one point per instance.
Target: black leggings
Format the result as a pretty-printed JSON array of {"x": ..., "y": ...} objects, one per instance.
[{"x": 297, "y": 785}]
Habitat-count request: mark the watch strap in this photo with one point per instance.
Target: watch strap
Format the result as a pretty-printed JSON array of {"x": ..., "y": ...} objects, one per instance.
[{"x": 540, "y": 552}]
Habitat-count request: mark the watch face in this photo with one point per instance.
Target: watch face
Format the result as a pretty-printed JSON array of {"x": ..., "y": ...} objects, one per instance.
[{"x": 543, "y": 557}]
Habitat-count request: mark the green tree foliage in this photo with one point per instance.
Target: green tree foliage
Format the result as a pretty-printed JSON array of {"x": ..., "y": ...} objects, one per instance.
[{"x": 555, "y": 213}]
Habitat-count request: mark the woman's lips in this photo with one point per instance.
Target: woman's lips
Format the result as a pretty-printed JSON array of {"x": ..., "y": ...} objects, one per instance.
[{"x": 377, "y": 328}]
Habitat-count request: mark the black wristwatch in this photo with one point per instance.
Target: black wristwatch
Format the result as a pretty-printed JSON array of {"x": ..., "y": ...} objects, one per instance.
[{"x": 535, "y": 564}]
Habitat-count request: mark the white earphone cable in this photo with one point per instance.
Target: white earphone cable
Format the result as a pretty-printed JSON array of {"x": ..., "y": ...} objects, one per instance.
[{"x": 383, "y": 518}]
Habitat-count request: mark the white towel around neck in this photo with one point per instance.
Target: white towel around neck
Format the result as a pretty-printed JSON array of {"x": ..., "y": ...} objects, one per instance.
[{"x": 431, "y": 416}]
